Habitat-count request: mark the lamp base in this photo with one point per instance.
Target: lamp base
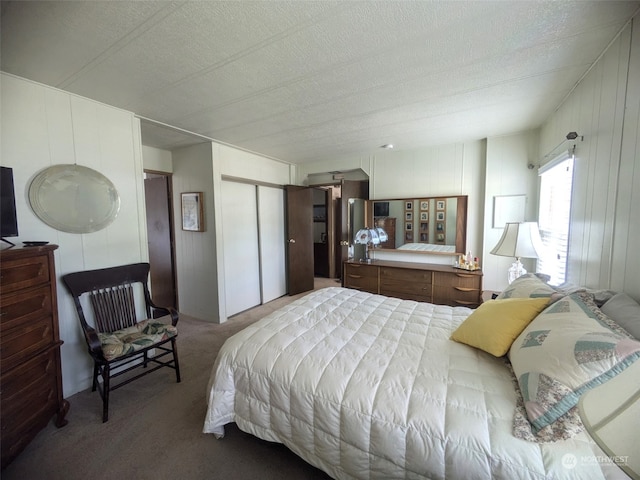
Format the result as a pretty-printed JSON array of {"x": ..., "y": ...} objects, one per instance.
[{"x": 516, "y": 270}]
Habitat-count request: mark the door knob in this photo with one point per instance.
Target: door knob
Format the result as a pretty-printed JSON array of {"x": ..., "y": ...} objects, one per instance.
[{"x": 291, "y": 240}]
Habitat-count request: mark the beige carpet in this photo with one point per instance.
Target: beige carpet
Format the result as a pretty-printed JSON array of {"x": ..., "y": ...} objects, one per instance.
[{"x": 155, "y": 424}]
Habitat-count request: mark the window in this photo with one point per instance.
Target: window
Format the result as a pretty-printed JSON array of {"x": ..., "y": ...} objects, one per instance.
[{"x": 556, "y": 179}]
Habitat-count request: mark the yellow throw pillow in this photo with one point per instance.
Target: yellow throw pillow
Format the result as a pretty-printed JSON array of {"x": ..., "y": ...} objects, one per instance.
[{"x": 495, "y": 324}]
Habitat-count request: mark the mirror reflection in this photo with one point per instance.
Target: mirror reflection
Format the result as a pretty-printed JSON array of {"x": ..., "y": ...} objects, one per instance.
[{"x": 423, "y": 224}]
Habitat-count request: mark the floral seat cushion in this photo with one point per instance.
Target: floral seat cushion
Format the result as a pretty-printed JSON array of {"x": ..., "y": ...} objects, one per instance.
[{"x": 128, "y": 340}]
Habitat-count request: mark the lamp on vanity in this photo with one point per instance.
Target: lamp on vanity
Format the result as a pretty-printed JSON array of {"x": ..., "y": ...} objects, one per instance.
[
  {"x": 373, "y": 236},
  {"x": 519, "y": 240}
]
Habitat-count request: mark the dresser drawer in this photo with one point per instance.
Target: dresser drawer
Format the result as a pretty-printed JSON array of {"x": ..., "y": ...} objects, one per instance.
[
  {"x": 463, "y": 280},
  {"x": 361, "y": 277},
  {"x": 29, "y": 401},
  {"x": 23, "y": 308},
  {"x": 18, "y": 344},
  {"x": 406, "y": 283},
  {"x": 22, "y": 273},
  {"x": 456, "y": 296}
]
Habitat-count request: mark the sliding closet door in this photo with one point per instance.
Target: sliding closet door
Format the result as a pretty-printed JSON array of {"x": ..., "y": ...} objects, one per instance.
[
  {"x": 241, "y": 253},
  {"x": 272, "y": 242}
]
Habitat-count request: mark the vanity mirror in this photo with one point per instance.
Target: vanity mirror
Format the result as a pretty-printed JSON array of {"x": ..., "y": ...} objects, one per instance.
[{"x": 422, "y": 224}]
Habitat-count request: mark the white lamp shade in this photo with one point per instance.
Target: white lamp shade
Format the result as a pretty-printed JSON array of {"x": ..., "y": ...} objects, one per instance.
[
  {"x": 373, "y": 236},
  {"x": 382, "y": 234},
  {"x": 363, "y": 236},
  {"x": 520, "y": 240}
]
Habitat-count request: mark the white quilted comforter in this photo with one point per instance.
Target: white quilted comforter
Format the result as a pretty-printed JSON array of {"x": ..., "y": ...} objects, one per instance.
[{"x": 366, "y": 386}]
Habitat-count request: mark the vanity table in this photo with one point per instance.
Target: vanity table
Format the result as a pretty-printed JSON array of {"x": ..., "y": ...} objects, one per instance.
[{"x": 423, "y": 282}]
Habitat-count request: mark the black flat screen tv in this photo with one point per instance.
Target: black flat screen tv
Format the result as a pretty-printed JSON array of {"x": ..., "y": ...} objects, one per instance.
[
  {"x": 8, "y": 219},
  {"x": 380, "y": 209}
]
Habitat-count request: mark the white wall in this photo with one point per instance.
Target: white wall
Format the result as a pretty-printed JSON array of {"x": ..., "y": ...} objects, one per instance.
[
  {"x": 196, "y": 258},
  {"x": 200, "y": 256},
  {"x": 42, "y": 126},
  {"x": 455, "y": 169},
  {"x": 605, "y": 223},
  {"x": 157, "y": 159},
  {"x": 507, "y": 173}
]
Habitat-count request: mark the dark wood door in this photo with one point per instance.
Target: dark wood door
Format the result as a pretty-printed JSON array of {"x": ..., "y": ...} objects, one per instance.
[
  {"x": 350, "y": 189},
  {"x": 159, "y": 231},
  {"x": 299, "y": 239}
]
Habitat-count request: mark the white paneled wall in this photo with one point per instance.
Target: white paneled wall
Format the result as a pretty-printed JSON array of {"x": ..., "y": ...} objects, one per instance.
[
  {"x": 507, "y": 173},
  {"x": 196, "y": 258},
  {"x": 42, "y": 126},
  {"x": 605, "y": 223}
]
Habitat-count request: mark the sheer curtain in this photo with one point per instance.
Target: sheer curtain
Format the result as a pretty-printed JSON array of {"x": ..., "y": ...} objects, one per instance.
[{"x": 556, "y": 180}]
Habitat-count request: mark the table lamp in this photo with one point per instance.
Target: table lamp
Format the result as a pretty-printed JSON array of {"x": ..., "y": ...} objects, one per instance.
[
  {"x": 373, "y": 236},
  {"x": 519, "y": 240}
]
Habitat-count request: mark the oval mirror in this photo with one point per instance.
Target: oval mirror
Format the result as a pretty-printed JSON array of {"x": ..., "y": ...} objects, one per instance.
[{"x": 74, "y": 199}]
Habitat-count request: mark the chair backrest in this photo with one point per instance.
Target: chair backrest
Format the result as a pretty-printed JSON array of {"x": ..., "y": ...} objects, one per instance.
[{"x": 111, "y": 294}]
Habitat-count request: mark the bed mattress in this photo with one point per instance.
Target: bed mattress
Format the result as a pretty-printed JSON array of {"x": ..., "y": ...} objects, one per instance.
[{"x": 367, "y": 386}]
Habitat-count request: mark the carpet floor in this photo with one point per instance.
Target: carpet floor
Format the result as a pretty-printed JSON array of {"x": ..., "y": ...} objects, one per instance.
[{"x": 155, "y": 425}]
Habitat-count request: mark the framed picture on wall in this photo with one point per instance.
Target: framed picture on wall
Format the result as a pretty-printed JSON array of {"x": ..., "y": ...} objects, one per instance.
[
  {"x": 408, "y": 205},
  {"x": 424, "y": 204},
  {"x": 440, "y": 205},
  {"x": 192, "y": 211},
  {"x": 424, "y": 216},
  {"x": 440, "y": 216},
  {"x": 408, "y": 216},
  {"x": 408, "y": 236},
  {"x": 408, "y": 226}
]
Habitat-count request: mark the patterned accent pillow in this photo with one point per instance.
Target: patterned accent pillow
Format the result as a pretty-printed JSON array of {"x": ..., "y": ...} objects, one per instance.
[
  {"x": 528, "y": 285},
  {"x": 566, "y": 350}
]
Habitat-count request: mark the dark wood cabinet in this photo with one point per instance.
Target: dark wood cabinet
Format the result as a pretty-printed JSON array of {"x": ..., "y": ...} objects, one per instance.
[
  {"x": 31, "y": 379},
  {"x": 423, "y": 282}
]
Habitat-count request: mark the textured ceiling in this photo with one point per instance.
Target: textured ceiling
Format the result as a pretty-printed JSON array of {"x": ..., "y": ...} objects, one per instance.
[{"x": 306, "y": 81}]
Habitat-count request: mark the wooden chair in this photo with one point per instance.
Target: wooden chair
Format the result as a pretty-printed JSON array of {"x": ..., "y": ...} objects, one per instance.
[{"x": 119, "y": 339}]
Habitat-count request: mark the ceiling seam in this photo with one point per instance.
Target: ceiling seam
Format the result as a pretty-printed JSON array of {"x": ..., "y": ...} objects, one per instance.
[{"x": 120, "y": 44}]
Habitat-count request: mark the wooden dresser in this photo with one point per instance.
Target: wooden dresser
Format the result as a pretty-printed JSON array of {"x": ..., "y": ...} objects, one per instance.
[
  {"x": 31, "y": 378},
  {"x": 424, "y": 282}
]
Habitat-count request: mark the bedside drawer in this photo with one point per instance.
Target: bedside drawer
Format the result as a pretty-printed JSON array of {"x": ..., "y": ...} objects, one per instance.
[{"x": 22, "y": 273}]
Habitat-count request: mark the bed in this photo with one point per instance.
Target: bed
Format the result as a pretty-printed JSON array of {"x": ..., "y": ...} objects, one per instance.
[{"x": 366, "y": 386}]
